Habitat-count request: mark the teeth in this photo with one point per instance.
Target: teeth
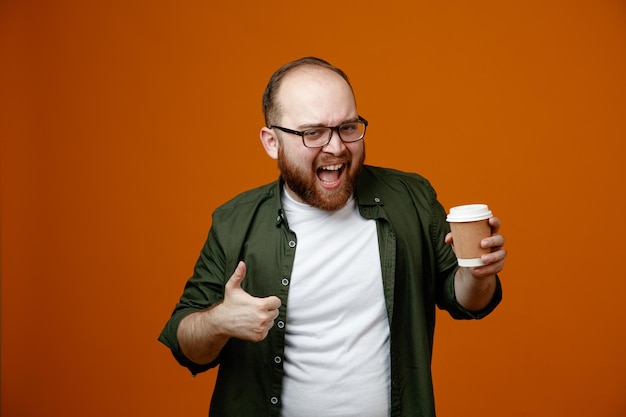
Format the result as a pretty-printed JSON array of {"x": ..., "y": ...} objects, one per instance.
[{"x": 332, "y": 167}]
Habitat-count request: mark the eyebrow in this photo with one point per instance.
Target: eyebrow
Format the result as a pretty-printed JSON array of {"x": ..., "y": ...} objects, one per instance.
[{"x": 313, "y": 125}]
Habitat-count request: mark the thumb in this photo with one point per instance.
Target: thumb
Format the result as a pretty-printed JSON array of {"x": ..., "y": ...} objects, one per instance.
[{"x": 234, "y": 282}]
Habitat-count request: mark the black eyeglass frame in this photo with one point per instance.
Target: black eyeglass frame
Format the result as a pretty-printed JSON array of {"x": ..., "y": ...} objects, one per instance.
[{"x": 332, "y": 129}]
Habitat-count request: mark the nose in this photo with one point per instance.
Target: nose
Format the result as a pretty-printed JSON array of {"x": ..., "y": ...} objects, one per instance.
[{"x": 336, "y": 145}]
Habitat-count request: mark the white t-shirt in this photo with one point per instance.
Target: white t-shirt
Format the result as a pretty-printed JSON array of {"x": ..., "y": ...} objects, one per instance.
[{"x": 337, "y": 361}]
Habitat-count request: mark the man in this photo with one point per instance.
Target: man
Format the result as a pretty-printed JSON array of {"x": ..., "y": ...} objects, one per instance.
[{"x": 316, "y": 294}]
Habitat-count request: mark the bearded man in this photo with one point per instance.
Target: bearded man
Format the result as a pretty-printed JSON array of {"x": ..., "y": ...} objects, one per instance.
[{"x": 316, "y": 294}]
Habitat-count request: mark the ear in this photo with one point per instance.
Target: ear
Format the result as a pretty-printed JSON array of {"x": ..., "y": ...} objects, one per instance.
[{"x": 270, "y": 142}]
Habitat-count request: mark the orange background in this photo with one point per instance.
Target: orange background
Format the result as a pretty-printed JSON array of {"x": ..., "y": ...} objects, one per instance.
[{"x": 125, "y": 123}]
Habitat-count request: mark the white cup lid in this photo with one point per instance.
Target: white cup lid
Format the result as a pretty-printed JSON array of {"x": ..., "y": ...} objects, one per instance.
[{"x": 469, "y": 213}]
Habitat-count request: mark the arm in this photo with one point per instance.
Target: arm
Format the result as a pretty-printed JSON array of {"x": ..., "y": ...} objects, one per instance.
[
  {"x": 475, "y": 287},
  {"x": 203, "y": 334}
]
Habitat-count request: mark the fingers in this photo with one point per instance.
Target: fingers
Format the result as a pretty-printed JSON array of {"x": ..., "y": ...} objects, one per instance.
[
  {"x": 235, "y": 279},
  {"x": 272, "y": 303},
  {"x": 495, "y": 224},
  {"x": 262, "y": 319},
  {"x": 250, "y": 317},
  {"x": 234, "y": 283},
  {"x": 493, "y": 261},
  {"x": 493, "y": 257},
  {"x": 495, "y": 241},
  {"x": 490, "y": 268}
]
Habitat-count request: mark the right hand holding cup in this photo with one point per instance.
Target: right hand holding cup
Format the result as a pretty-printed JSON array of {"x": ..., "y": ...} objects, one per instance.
[{"x": 475, "y": 239}]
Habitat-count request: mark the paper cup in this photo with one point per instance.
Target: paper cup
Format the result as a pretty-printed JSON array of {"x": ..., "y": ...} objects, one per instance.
[{"x": 469, "y": 225}]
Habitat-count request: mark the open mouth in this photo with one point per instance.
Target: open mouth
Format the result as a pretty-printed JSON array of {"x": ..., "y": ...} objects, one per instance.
[{"x": 330, "y": 175}]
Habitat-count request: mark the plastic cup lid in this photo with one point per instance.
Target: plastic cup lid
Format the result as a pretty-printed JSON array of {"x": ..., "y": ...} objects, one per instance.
[{"x": 469, "y": 213}]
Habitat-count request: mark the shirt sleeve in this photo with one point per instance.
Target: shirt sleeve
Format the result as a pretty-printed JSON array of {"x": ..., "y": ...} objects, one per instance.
[
  {"x": 457, "y": 311},
  {"x": 202, "y": 290}
]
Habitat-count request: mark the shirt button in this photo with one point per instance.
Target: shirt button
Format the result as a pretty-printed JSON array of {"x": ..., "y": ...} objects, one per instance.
[
  {"x": 277, "y": 359},
  {"x": 292, "y": 244},
  {"x": 280, "y": 324},
  {"x": 274, "y": 400},
  {"x": 377, "y": 200},
  {"x": 285, "y": 281}
]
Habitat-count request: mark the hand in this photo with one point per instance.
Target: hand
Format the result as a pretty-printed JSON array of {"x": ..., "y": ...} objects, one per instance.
[
  {"x": 493, "y": 261},
  {"x": 248, "y": 318},
  {"x": 474, "y": 287}
]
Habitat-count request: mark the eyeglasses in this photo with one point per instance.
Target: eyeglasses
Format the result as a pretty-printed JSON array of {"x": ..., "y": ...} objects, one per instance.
[{"x": 317, "y": 137}]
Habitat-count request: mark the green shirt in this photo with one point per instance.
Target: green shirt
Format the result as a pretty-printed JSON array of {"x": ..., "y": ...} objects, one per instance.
[{"x": 418, "y": 274}]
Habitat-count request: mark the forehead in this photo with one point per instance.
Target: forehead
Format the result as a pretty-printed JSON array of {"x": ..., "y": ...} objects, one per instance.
[{"x": 314, "y": 94}]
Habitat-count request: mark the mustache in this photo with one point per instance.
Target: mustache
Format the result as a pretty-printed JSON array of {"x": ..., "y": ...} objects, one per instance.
[{"x": 325, "y": 159}]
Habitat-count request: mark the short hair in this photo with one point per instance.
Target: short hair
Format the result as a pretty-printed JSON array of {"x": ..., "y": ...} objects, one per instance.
[{"x": 270, "y": 107}]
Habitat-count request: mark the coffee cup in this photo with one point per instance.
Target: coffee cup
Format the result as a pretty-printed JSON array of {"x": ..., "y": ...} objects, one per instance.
[{"x": 469, "y": 225}]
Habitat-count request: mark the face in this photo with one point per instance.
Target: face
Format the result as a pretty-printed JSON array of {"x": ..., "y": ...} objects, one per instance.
[{"x": 320, "y": 177}]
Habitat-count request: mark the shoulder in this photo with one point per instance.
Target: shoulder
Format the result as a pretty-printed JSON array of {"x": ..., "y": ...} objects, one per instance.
[
  {"x": 395, "y": 183},
  {"x": 250, "y": 201},
  {"x": 407, "y": 199},
  {"x": 392, "y": 174}
]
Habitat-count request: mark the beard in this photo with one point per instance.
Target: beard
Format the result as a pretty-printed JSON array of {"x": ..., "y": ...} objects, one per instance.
[{"x": 305, "y": 184}]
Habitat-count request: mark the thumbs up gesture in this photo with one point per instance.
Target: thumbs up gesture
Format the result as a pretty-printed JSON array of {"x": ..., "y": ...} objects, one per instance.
[
  {"x": 248, "y": 318},
  {"x": 203, "y": 334}
]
